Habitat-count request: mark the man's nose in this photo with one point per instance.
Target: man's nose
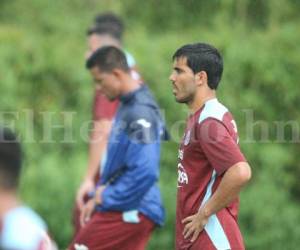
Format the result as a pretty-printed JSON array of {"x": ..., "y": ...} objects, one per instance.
[{"x": 172, "y": 77}]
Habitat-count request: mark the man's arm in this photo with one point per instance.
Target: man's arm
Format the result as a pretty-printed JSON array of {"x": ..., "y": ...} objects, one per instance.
[
  {"x": 228, "y": 190},
  {"x": 142, "y": 162},
  {"x": 128, "y": 190},
  {"x": 98, "y": 142},
  {"x": 230, "y": 186}
]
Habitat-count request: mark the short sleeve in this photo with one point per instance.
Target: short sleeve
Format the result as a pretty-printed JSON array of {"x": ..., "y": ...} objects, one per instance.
[
  {"x": 221, "y": 150},
  {"x": 103, "y": 108},
  {"x": 23, "y": 229},
  {"x": 130, "y": 60}
]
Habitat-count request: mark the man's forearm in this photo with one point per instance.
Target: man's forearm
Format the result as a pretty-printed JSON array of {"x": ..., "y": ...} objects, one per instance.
[
  {"x": 228, "y": 190},
  {"x": 98, "y": 142}
]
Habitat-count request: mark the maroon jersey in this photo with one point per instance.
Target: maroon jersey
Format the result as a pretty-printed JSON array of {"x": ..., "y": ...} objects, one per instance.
[
  {"x": 103, "y": 108},
  {"x": 209, "y": 147}
]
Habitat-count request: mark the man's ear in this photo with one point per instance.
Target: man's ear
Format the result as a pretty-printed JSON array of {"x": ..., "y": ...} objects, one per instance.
[
  {"x": 117, "y": 73},
  {"x": 201, "y": 78}
]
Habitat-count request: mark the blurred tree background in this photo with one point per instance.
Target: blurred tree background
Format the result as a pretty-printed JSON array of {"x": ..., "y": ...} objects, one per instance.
[{"x": 42, "y": 46}]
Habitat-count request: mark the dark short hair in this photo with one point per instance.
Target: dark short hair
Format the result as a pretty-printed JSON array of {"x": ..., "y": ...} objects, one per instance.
[
  {"x": 107, "y": 59},
  {"x": 107, "y": 24},
  {"x": 203, "y": 57},
  {"x": 10, "y": 159}
]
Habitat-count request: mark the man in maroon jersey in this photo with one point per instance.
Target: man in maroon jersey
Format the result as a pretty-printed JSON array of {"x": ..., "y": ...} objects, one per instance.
[{"x": 211, "y": 168}]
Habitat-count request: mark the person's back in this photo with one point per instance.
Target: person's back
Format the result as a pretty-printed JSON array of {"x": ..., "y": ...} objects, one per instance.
[{"x": 20, "y": 227}]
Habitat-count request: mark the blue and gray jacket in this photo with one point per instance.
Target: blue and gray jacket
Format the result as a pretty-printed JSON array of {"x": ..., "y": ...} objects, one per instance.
[{"x": 133, "y": 154}]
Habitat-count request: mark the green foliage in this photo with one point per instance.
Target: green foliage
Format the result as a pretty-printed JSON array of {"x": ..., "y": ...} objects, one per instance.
[{"x": 42, "y": 69}]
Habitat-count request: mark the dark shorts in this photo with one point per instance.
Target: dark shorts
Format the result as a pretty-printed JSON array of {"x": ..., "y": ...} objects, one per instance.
[{"x": 108, "y": 231}]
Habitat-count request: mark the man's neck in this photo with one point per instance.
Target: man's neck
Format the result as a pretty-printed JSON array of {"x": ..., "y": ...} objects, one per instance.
[
  {"x": 200, "y": 99},
  {"x": 8, "y": 201},
  {"x": 129, "y": 85}
]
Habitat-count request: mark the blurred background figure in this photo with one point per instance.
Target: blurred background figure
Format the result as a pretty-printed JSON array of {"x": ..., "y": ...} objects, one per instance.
[
  {"x": 21, "y": 228},
  {"x": 107, "y": 29}
]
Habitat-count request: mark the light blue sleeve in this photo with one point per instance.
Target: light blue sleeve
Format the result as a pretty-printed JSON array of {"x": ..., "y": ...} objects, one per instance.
[
  {"x": 130, "y": 59},
  {"x": 22, "y": 230}
]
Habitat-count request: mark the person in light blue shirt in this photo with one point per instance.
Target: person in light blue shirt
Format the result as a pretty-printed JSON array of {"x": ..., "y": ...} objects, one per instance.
[{"x": 20, "y": 227}]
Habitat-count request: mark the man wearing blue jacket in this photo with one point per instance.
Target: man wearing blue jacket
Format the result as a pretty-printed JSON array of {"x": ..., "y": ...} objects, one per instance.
[{"x": 126, "y": 204}]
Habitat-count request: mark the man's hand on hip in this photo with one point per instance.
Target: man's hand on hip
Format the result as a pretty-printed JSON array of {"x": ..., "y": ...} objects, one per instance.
[{"x": 194, "y": 224}]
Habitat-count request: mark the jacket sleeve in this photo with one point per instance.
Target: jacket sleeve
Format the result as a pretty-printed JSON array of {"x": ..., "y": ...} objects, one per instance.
[{"x": 142, "y": 166}]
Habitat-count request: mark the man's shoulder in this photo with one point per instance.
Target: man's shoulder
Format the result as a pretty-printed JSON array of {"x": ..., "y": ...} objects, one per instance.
[
  {"x": 23, "y": 228},
  {"x": 142, "y": 106},
  {"x": 24, "y": 215},
  {"x": 141, "y": 118},
  {"x": 213, "y": 110},
  {"x": 145, "y": 96}
]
